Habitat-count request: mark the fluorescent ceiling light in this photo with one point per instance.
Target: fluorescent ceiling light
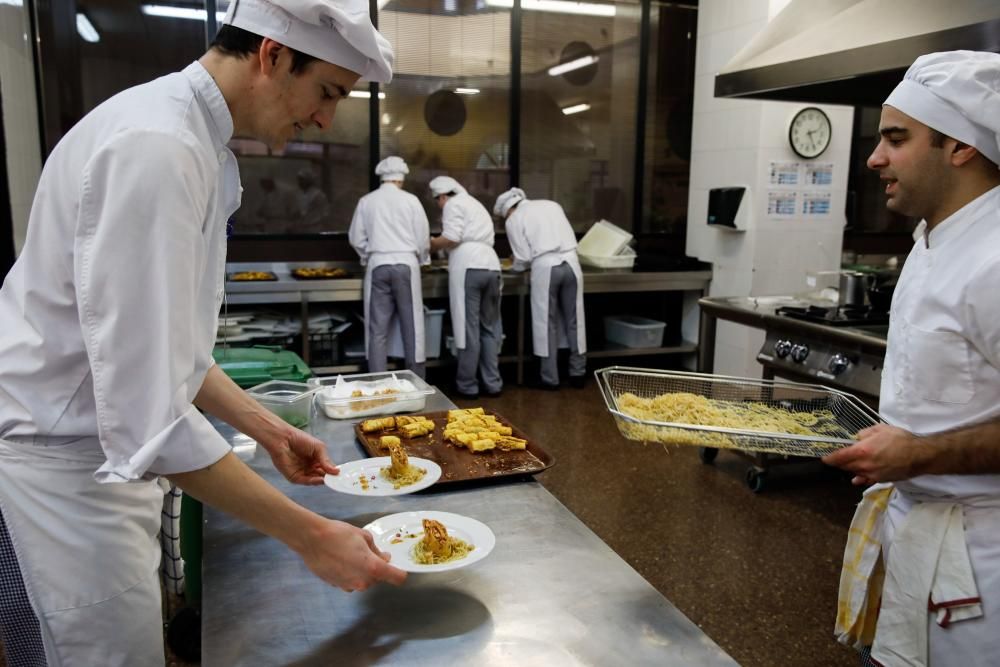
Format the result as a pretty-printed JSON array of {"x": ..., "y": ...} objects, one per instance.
[
  {"x": 12, "y": 3},
  {"x": 467, "y": 91},
  {"x": 86, "y": 29},
  {"x": 576, "y": 108},
  {"x": 169, "y": 11},
  {"x": 364, "y": 94},
  {"x": 562, "y": 68},
  {"x": 558, "y": 6}
]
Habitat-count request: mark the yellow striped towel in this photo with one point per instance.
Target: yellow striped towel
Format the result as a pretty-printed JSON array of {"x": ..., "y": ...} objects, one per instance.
[{"x": 863, "y": 571}]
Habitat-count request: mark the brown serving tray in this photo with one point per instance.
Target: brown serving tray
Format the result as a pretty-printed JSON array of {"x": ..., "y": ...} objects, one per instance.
[
  {"x": 458, "y": 464},
  {"x": 320, "y": 277},
  {"x": 270, "y": 277}
]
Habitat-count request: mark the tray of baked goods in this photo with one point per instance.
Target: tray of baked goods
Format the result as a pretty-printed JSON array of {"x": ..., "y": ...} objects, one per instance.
[
  {"x": 468, "y": 444},
  {"x": 251, "y": 276},
  {"x": 319, "y": 273}
]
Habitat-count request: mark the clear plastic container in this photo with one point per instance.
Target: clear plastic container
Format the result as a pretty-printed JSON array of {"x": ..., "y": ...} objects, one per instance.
[
  {"x": 632, "y": 331},
  {"x": 377, "y": 394},
  {"x": 292, "y": 401},
  {"x": 603, "y": 239}
]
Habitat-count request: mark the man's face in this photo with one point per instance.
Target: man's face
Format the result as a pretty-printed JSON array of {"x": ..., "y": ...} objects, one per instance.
[
  {"x": 288, "y": 102},
  {"x": 441, "y": 200},
  {"x": 913, "y": 170}
]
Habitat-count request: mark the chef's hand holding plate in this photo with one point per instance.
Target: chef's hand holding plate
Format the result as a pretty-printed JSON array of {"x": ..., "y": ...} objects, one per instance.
[
  {"x": 300, "y": 457},
  {"x": 882, "y": 453},
  {"x": 345, "y": 556}
]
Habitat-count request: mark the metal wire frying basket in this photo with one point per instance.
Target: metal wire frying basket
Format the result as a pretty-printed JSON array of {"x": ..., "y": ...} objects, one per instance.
[{"x": 839, "y": 415}]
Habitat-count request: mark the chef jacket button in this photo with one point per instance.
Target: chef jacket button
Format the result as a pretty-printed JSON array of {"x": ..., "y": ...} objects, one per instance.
[
  {"x": 899, "y": 389},
  {"x": 222, "y": 156}
]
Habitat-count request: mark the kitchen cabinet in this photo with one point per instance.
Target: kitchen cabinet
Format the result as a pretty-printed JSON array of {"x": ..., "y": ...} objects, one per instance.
[{"x": 307, "y": 294}]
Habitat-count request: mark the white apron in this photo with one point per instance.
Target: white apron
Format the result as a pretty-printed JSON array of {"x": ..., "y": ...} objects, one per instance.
[
  {"x": 541, "y": 267},
  {"x": 378, "y": 259},
  {"x": 466, "y": 255},
  {"x": 93, "y": 570}
]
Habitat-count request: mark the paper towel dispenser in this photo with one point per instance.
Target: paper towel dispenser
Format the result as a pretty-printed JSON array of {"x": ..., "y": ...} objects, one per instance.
[{"x": 729, "y": 208}]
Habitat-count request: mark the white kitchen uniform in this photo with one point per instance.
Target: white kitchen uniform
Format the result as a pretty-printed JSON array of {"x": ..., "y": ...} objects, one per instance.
[
  {"x": 466, "y": 222},
  {"x": 390, "y": 227},
  {"x": 542, "y": 237},
  {"x": 109, "y": 319},
  {"x": 942, "y": 371}
]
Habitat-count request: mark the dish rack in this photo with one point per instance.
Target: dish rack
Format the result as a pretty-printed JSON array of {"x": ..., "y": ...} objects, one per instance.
[{"x": 845, "y": 414}]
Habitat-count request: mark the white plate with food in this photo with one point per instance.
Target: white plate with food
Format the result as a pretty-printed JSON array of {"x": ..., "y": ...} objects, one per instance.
[
  {"x": 432, "y": 541},
  {"x": 365, "y": 477}
]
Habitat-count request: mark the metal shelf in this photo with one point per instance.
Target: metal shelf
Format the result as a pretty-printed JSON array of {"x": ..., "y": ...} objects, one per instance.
[{"x": 686, "y": 347}]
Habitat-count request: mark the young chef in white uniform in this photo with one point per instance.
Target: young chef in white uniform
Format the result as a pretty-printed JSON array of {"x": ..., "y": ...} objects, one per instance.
[
  {"x": 109, "y": 319},
  {"x": 474, "y": 284},
  {"x": 391, "y": 235},
  {"x": 938, "y": 157},
  {"x": 542, "y": 238}
]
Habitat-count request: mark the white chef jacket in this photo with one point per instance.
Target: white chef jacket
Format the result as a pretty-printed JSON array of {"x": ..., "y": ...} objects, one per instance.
[
  {"x": 110, "y": 312},
  {"x": 541, "y": 236},
  {"x": 390, "y": 227},
  {"x": 942, "y": 371},
  {"x": 466, "y": 221}
]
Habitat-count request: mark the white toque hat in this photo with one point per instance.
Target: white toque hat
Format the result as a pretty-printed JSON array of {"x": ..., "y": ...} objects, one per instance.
[
  {"x": 442, "y": 185},
  {"x": 392, "y": 168},
  {"x": 507, "y": 200},
  {"x": 336, "y": 31},
  {"x": 956, "y": 93}
]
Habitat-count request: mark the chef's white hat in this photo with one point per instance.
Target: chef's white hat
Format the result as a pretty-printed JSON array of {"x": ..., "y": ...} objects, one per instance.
[
  {"x": 507, "y": 200},
  {"x": 442, "y": 185},
  {"x": 336, "y": 31},
  {"x": 956, "y": 93},
  {"x": 392, "y": 168}
]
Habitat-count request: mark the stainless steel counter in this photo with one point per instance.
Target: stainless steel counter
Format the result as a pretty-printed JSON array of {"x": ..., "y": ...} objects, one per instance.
[{"x": 550, "y": 594}]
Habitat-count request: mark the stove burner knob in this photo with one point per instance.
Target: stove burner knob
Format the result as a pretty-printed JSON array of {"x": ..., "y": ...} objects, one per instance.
[
  {"x": 782, "y": 348},
  {"x": 838, "y": 364},
  {"x": 800, "y": 352}
]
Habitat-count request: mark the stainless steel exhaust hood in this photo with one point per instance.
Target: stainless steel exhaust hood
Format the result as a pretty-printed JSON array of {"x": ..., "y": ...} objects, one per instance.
[{"x": 853, "y": 51}]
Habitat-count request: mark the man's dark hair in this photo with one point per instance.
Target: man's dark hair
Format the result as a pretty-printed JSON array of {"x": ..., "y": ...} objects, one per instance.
[
  {"x": 237, "y": 42},
  {"x": 937, "y": 138}
]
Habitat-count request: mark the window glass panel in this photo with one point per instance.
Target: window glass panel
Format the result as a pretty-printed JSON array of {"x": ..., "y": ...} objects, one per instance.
[
  {"x": 447, "y": 109},
  {"x": 670, "y": 100},
  {"x": 312, "y": 184},
  {"x": 579, "y": 81}
]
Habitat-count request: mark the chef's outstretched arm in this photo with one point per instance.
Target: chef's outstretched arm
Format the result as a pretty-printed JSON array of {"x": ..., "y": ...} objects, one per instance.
[
  {"x": 886, "y": 453},
  {"x": 338, "y": 553},
  {"x": 298, "y": 456}
]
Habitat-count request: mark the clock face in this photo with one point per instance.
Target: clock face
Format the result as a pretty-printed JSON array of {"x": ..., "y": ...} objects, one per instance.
[{"x": 809, "y": 133}]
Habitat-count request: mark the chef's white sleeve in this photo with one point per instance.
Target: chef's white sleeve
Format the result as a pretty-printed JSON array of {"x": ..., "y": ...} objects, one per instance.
[
  {"x": 139, "y": 261},
  {"x": 519, "y": 244},
  {"x": 357, "y": 234},
  {"x": 452, "y": 222},
  {"x": 422, "y": 232}
]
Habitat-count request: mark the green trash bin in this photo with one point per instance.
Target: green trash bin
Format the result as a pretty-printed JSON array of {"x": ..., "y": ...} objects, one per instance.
[{"x": 250, "y": 366}]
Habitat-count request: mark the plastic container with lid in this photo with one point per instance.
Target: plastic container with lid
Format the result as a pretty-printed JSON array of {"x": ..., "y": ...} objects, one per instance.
[
  {"x": 292, "y": 401},
  {"x": 365, "y": 394},
  {"x": 603, "y": 239},
  {"x": 632, "y": 331}
]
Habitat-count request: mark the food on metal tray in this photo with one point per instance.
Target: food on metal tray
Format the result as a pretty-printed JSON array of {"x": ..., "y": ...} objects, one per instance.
[
  {"x": 312, "y": 273},
  {"x": 687, "y": 408},
  {"x": 438, "y": 546},
  {"x": 479, "y": 432},
  {"x": 358, "y": 406},
  {"x": 246, "y": 276},
  {"x": 417, "y": 429},
  {"x": 380, "y": 424},
  {"x": 399, "y": 471}
]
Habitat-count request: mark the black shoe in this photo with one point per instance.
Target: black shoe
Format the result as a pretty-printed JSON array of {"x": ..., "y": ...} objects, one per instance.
[
  {"x": 461, "y": 394},
  {"x": 493, "y": 394},
  {"x": 577, "y": 381}
]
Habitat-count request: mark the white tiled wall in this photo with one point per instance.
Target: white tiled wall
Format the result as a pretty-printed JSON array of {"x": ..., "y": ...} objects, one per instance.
[{"x": 733, "y": 143}]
